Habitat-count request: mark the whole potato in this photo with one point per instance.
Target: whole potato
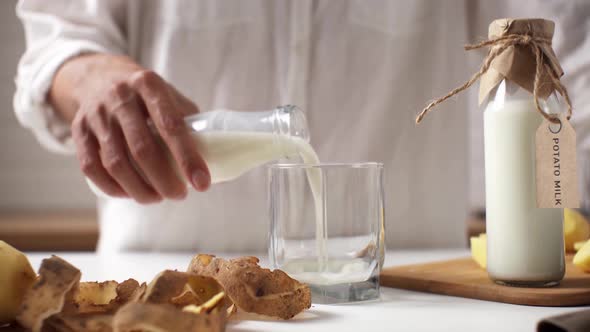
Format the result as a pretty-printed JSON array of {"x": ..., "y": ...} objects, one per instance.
[
  {"x": 575, "y": 228},
  {"x": 16, "y": 277}
]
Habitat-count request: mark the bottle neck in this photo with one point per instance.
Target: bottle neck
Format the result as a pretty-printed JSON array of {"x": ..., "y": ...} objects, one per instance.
[
  {"x": 286, "y": 125},
  {"x": 289, "y": 120},
  {"x": 508, "y": 93},
  {"x": 290, "y": 129}
]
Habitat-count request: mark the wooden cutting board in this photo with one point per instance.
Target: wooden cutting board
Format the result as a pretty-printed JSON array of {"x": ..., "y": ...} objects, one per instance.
[{"x": 463, "y": 277}]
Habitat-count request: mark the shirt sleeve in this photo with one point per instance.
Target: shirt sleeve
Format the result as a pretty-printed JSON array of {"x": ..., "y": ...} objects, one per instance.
[{"x": 56, "y": 31}]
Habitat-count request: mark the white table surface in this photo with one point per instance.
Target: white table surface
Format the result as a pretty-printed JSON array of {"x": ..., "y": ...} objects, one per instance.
[{"x": 397, "y": 310}]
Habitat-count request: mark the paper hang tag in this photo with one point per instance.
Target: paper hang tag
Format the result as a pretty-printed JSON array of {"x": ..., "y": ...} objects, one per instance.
[{"x": 556, "y": 175}]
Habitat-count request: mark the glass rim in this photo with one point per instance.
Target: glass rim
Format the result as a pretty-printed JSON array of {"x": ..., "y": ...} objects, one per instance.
[{"x": 369, "y": 164}]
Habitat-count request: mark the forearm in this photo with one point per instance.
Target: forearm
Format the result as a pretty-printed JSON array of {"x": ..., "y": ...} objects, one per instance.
[{"x": 84, "y": 76}]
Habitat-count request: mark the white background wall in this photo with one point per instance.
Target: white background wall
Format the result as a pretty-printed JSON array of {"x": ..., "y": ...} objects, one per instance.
[{"x": 30, "y": 177}]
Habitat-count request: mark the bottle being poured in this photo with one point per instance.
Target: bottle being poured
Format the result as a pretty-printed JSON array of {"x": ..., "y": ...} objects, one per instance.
[{"x": 234, "y": 142}]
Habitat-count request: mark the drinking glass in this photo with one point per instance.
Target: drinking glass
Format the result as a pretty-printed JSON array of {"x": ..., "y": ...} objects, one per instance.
[{"x": 327, "y": 227}]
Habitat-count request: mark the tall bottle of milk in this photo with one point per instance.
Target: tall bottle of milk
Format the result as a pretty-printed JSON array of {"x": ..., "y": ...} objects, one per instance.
[
  {"x": 529, "y": 152},
  {"x": 234, "y": 142},
  {"x": 525, "y": 243}
]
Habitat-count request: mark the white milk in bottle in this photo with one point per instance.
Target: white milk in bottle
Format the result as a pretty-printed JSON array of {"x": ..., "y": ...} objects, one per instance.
[
  {"x": 231, "y": 154},
  {"x": 525, "y": 243},
  {"x": 234, "y": 142}
]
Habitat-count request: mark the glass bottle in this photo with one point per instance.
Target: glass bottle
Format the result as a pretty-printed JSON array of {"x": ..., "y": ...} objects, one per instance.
[
  {"x": 233, "y": 142},
  {"x": 525, "y": 244}
]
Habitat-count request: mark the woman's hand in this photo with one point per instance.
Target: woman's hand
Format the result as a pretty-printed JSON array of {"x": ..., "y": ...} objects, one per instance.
[{"x": 108, "y": 100}]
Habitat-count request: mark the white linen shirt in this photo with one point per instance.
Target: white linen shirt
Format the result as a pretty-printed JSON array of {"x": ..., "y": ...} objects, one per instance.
[{"x": 360, "y": 69}]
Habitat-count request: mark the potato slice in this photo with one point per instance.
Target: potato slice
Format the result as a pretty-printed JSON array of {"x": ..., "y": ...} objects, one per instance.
[
  {"x": 479, "y": 249},
  {"x": 16, "y": 277},
  {"x": 582, "y": 257},
  {"x": 254, "y": 289},
  {"x": 575, "y": 228},
  {"x": 57, "y": 283},
  {"x": 578, "y": 245},
  {"x": 149, "y": 317}
]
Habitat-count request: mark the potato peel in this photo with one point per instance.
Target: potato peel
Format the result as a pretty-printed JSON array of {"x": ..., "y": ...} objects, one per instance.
[
  {"x": 208, "y": 306},
  {"x": 84, "y": 322},
  {"x": 204, "y": 288},
  {"x": 187, "y": 297},
  {"x": 200, "y": 300},
  {"x": 57, "y": 281},
  {"x": 254, "y": 289},
  {"x": 130, "y": 290},
  {"x": 95, "y": 297},
  {"x": 149, "y": 317},
  {"x": 107, "y": 296},
  {"x": 166, "y": 285},
  {"x": 181, "y": 289}
]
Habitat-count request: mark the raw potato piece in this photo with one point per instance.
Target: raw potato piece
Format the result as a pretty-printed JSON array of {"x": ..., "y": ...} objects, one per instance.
[
  {"x": 575, "y": 228},
  {"x": 582, "y": 257},
  {"x": 16, "y": 277},
  {"x": 479, "y": 249},
  {"x": 579, "y": 245},
  {"x": 48, "y": 296},
  {"x": 149, "y": 317},
  {"x": 254, "y": 289}
]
